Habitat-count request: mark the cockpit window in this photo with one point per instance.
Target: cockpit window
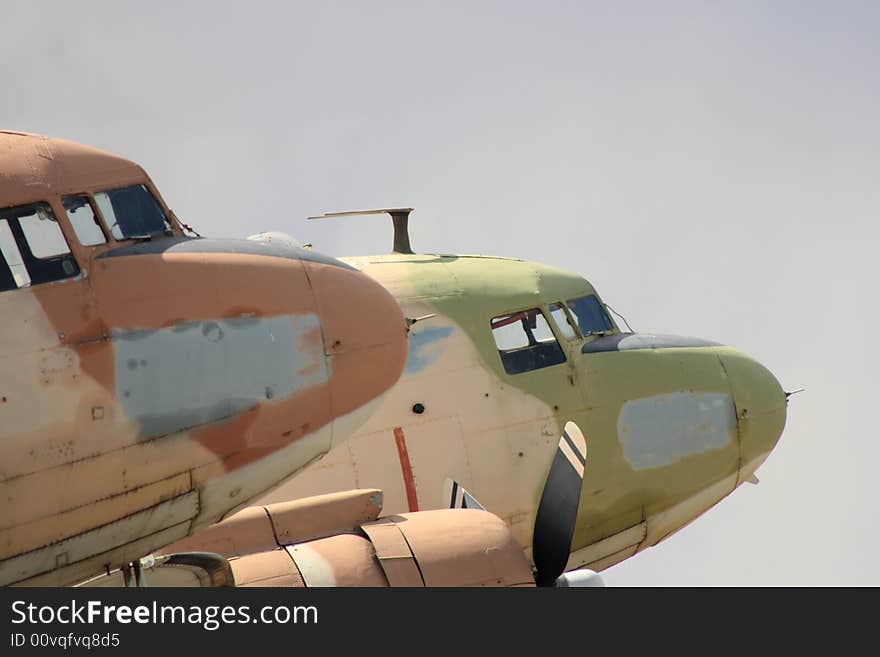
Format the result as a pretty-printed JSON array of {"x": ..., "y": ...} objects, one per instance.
[
  {"x": 590, "y": 315},
  {"x": 42, "y": 233},
  {"x": 132, "y": 212},
  {"x": 525, "y": 341},
  {"x": 13, "y": 273},
  {"x": 563, "y": 321},
  {"x": 82, "y": 218},
  {"x": 32, "y": 247}
]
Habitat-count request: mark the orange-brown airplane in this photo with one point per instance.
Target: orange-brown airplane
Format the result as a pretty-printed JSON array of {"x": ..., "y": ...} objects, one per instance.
[{"x": 152, "y": 382}]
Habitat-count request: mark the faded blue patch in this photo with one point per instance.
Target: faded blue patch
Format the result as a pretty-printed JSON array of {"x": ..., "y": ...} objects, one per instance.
[
  {"x": 425, "y": 346},
  {"x": 660, "y": 430},
  {"x": 176, "y": 378}
]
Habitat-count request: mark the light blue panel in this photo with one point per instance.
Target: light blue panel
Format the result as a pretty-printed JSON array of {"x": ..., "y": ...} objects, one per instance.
[
  {"x": 657, "y": 431},
  {"x": 176, "y": 378}
]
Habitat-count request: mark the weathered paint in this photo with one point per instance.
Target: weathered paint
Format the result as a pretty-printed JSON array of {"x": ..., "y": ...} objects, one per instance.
[
  {"x": 693, "y": 412},
  {"x": 76, "y": 551},
  {"x": 608, "y": 546},
  {"x": 690, "y": 423},
  {"x": 412, "y": 498},
  {"x": 176, "y": 378},
  {"x": 425, "y": 346},
  {"x": 271, "y": 568},
  {"x": 169, "y": 369},
  {"x": 393, "y": 552},
  {"x": 352, "y": 547},
  {"x": 314, "y": 568}
]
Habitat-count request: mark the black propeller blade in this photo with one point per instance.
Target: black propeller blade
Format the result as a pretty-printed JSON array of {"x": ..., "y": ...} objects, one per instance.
[{"x": 557, "y": 511}]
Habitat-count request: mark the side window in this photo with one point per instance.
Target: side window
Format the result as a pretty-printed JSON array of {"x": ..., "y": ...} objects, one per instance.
[
  {"x": 13, "y": 275},
  {"x": 43, "y": 234},
  {"x": 557, "y": 312},
  {"x": 132, "y": 212},
  {"x": 82, "y": 218},
  {"x": 590, "y": 315},
  {"x": 33, "y": 247},
  {"x": 525, "y": 341}
]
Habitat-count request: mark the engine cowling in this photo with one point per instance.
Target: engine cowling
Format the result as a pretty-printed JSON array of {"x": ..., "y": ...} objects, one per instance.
[{"x": 339, "y": 540}]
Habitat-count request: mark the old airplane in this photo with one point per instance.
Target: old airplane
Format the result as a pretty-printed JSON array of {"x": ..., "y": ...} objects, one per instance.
[
  {"x": 339, "y": 539},
  {"x": 151, "y": 382},
  {"x": 509, "y": 361},
  {"x": 503, "y": 354},
  {"x": 588, "y": 444}
]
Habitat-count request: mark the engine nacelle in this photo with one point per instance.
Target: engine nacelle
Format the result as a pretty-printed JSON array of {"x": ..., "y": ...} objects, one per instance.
[{"x": 338, "y": 540}]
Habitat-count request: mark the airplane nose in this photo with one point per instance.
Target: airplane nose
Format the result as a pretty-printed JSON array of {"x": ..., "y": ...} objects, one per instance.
[
  {"x": 760, "y": 408},
  {"x": 364, "y": 331}
]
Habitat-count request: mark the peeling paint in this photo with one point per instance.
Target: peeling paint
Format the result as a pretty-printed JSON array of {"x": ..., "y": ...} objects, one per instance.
[
  {"x": 175, "y": 356},
  {"x": 315, "y": 569},
  {"x": 172, "y": 379}
]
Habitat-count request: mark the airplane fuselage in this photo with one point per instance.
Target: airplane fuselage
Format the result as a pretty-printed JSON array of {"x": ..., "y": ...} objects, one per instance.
[
  {"x": 672, "y": 424},
  {"x": 151, "y": 384}
]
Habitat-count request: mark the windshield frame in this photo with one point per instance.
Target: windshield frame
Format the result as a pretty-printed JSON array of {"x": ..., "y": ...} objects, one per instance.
[
  {"x": 611, "y": 326},
  {"x": 572, "y": 322},
  {"x": 111, "y": 229}
]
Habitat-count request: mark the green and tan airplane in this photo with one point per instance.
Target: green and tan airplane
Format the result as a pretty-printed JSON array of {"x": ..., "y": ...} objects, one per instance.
[{"x": 503, "y": 354}]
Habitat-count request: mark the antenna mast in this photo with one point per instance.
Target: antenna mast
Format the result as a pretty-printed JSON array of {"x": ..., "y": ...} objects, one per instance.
[{"x": 399, "y": 217}]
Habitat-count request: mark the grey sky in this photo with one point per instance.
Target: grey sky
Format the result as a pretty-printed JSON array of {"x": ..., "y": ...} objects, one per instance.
[{"x": 712, "y": 167}]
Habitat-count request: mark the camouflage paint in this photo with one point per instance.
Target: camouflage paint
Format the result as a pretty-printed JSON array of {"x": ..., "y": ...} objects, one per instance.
[
  {"x": 171, "y": 381},
  {"x": 715, "y": 412}
]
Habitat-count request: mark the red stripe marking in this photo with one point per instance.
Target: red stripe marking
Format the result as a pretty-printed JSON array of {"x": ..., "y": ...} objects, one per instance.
[{"x": 408, "y": 481}]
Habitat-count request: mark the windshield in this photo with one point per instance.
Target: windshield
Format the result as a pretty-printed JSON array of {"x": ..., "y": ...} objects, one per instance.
[
  {"x": 590, "y": 315},
  {"x": 131, "y": 212},
  {"x": 82, "y": 218}
]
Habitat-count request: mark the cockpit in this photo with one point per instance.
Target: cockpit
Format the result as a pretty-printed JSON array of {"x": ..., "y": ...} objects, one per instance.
[
  {"x": 529, "y": 339},
  {"x": 34, "y": 249},
  {"x": 62, "y": 203}
]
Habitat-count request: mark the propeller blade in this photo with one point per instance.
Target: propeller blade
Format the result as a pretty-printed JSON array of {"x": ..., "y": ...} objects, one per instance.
[
  {"x": 557, "y": 511},
  {"x": 456, "y": 497}
]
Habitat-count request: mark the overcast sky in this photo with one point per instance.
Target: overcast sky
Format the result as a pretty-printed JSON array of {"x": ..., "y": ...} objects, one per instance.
[{"x": 711, "y": 167}]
